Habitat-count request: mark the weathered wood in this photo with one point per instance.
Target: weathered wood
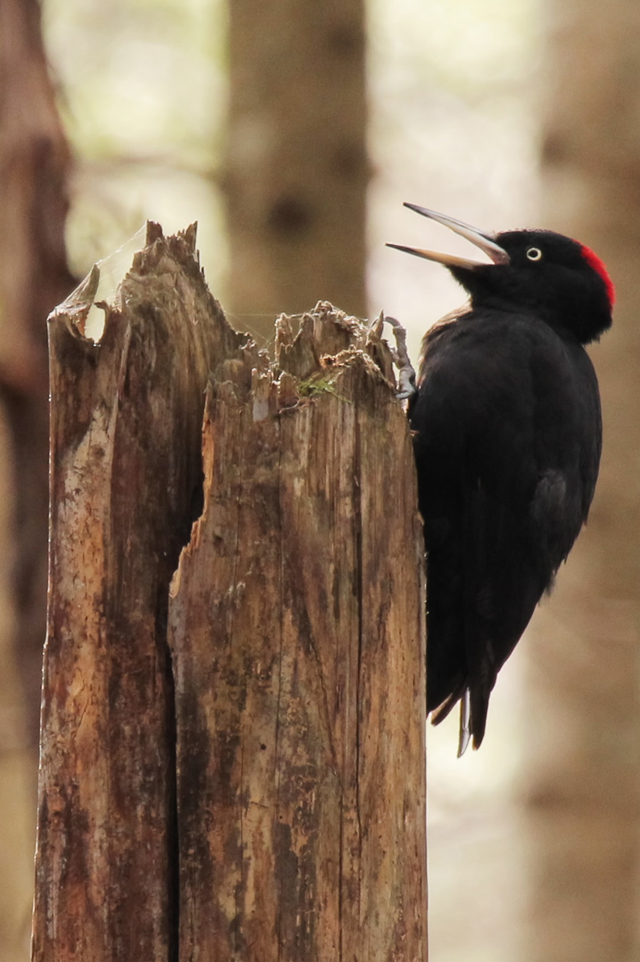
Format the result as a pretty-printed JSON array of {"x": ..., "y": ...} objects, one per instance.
[
  {"x": 271, "y": 805},
  {"x": 297, "y": 631},
  {"x": 125, "y": 463}
]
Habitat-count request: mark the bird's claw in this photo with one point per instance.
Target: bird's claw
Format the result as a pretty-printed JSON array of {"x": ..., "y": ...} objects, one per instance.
[
  {"x": 406, "y": 373},
  {"x": 407, "y": 385}
]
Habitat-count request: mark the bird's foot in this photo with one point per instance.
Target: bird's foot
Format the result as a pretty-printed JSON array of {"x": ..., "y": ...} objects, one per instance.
[{"x": 406, "y": 373}]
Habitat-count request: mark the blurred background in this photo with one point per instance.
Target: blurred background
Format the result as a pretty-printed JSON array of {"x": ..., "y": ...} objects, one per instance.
[{"x": 293, "y": 132}]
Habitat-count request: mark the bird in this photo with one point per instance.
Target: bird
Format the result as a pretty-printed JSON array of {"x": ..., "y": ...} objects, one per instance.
[{"x": 507, "y": 431}]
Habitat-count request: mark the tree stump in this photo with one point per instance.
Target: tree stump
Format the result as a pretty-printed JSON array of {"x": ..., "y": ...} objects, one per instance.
[{"x": 232, "y": 751}]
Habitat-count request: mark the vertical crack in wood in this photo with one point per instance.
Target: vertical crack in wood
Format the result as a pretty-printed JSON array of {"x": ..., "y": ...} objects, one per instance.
[
  {"x": 240, "y": 892},
  {"x": 281, "y": 585},
  {"x": 357, "y": 500},
  {"x": 173, "y": 953},
  {"x": 236, "y": 548}
]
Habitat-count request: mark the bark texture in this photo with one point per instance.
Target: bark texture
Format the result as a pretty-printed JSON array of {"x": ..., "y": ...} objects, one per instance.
[
  {"x": 250, "y": 785},
  {"x": 298, "y": 643},
  {"x": 125, "y": 483},
  {"x": 296, "y": 168},
  {"x": 584, "y": 782}
]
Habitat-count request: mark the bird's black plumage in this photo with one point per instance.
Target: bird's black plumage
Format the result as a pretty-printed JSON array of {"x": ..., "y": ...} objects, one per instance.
[{"x": 507, "y": 442}]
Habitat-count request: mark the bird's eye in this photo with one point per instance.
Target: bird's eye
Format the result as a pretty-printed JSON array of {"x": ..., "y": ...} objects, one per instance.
[{"x": 534, "y": 254}]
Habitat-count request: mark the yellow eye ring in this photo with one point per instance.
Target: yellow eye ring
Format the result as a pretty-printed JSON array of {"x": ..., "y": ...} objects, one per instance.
[{"x": 534, "y": 254}]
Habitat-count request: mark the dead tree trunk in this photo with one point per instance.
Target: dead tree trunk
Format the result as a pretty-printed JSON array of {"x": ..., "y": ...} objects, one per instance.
[{"x": 232, "y": 765}]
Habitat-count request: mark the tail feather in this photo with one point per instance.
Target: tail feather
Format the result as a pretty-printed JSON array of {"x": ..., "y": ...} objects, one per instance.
[
  {"x": 474, "y": 704},
  {"x": 479, "y": 699},
  {"x": 464, "y": 736},
  {"x": 440, "y": 713}
]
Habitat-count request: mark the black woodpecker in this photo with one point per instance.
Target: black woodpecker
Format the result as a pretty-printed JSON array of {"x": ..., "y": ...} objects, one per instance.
[{"x": 508, "y": 435}]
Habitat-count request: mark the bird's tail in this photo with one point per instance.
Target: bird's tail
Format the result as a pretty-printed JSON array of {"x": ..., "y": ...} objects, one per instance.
[{"x": 473, "y": 716}]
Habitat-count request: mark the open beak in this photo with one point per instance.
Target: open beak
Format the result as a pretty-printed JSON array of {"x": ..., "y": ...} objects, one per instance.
[{"x": 485, "y": 241}]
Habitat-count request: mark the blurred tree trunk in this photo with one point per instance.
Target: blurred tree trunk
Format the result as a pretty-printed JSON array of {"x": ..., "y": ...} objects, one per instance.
[
  {"x": 296, "y": 163},
  {"x": 33, "y": 278},
  {"x": 584, "y": 783},
  {"x": 34, "y": 160}
]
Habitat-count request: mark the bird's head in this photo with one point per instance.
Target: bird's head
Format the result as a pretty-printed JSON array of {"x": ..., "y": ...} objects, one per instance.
[{"x": 558, "y": 279}]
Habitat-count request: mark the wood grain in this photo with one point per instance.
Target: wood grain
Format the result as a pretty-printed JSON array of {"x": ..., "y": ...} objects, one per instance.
[
  {"x": 232, "y": 754},
  {"x": 297, "y": 627},
  {"x": 125, "y": 466}
]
